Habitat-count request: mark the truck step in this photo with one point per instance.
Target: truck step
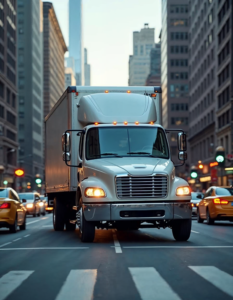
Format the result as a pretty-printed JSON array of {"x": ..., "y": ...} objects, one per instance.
[
  {"x": 73, "y": 221},
  {"x": 75, "y": 207}
]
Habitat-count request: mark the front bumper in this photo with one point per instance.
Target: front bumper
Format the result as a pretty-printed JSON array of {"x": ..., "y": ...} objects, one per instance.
[{"x": 137, "y": 211}]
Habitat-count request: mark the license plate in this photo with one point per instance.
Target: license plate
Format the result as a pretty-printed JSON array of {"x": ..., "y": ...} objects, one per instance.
[{"x": 231, "y": 203}]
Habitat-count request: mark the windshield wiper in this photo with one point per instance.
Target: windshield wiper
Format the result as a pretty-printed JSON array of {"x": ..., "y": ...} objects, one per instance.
[
  {"x": 108, "y": 153},
  {"x": 139, "y": 153}
]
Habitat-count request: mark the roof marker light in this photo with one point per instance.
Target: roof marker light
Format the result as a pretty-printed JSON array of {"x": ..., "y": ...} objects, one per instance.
[
  {"x": 128, "y": 92},
  {"x": 106, "y": 92},
  {"x": 126, "y": 123},
  {"x": 153, "y": 95},
  {"x": 76, "y": 93},
  {"x": 114, "y": 123},
  {"x": 96, "y": 123},
  {"x": 136, "y": 123},
  {"x": 151, "y": 123}
]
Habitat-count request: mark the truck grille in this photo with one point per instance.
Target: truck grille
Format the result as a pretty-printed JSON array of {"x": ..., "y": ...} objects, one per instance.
[{"x": 142, "y": 187}]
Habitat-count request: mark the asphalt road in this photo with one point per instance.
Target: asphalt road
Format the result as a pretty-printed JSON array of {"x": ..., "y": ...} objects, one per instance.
[{"x": 39, "y": 263}]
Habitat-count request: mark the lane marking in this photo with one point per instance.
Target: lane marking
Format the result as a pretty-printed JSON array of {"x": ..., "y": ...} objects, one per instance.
[
  {"x": 151, "y": 285},
  {"x": 44, "y": 218},
  {"x": 220, "y": 279},
  {"x": 175, "y": 247},
  {"x": 79, "y": 283},
  {"x": 116, "y": 243},
  {"x": 5, "y": 244},
  {"x": 17, "y": 240},
  {"x": 45, "y": 248},
  {"x": 194, "y": 231},
  {"x": 32, "y": 222},
  {"x": 10, "y": 281},
  {"x": 48, "y": 225},
  {"x": 26, "y": 235}
]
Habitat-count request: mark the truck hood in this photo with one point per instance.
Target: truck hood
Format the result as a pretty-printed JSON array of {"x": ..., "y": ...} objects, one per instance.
[{"x": 131, "y": 165}]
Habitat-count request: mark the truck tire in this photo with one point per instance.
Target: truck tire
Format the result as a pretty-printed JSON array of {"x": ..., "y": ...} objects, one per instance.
[
  {"x": 181, "y": 229},
  {"x": 209, "y": 220},
  {"x": 70, "y": 215},
  {"x": 58, "y": 215},
  {"x": 86, "y": 229}
]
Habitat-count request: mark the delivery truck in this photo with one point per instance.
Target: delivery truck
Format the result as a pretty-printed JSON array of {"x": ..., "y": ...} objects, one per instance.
[{"x": 108, "y": 163}]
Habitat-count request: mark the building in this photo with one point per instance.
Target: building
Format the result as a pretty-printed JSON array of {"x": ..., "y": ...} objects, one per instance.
[
  {"x": 224, "y": 91},
  {"x": 139, "y": 62},
  {"x": 154, "y": 78},
  {"x": 87, "y": 70},
  {"x": 175, "y": 72},
  {"x": 30, "y": 90},
  {"x": 203, "y": 85},
  {"x": 8, "y": 92},
  {"x": 69, "y": 77},
  {"x": 76, "y": 39},
  {"x": 54, "y": 50}
]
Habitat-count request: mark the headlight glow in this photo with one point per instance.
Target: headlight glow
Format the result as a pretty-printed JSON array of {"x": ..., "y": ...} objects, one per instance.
[
  {"x": 29, "y": 205},
  {"x": 183, "y": 191},
  {"x": 94, "y": 192},
  {"x": 41, "y": 204}
]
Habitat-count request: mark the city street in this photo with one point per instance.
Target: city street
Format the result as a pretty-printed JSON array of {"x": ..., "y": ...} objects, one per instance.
[{"x": 39, "y": 263}]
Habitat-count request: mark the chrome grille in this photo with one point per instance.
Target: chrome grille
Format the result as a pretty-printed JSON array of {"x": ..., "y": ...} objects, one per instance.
[{"x": 141, "y": 187}]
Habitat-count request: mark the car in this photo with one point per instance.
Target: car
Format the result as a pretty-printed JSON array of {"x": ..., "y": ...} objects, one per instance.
[
  {"x": 45, "y": 201},
  {"x": 12, "y": 210},
  {"x": 195, "y": 200},
  {"x": 32, "y": 203},
  {"x": 217, "y": 204},
  {"x": 43, "y": 205}
]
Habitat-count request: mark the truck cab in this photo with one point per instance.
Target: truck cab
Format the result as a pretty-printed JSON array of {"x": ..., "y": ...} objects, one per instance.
[{"x": 117, "y": 158}]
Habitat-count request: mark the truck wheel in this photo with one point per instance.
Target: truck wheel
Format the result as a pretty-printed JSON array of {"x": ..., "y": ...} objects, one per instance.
[
  {"x": 87, "y": 229},
  {"x": 58, "y": 215},
  {"x": 181, "y": 229},
  {"x": 209, "y": 220},
  {"x": 199, "y": 220}
]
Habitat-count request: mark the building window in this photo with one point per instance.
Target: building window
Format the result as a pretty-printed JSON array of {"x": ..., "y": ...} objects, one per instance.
[
  {"x": 179, "y": 121},
  {"x": 135, "y": 50},
  {"x": 8, "y": 96},
  {"x": 11, "y": 135},
  {"x": 176, "y": 9},
  {"x": 141, "y": 49},
  {"x": 11, "y": 118},
  {"x": 1, "y": 89},
  {"x": 179, "y": 22},
  {"x": 13, "y": 100},
  {"x": 179, "y": 90},
  {"x": 2, "y": 111},
  {"x": 179, "y": 107},
  {"x": 179, "y": 75}
]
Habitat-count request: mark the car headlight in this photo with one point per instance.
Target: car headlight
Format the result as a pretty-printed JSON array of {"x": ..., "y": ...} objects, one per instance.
[
  {"x": 94, "y": 192},
  {"x": 41, "y": 204},
  {"x": 29, "y": 205},
  {"x": 183, "y": 191}
]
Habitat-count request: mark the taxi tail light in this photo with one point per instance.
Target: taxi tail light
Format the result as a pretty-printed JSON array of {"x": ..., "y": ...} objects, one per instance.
[
  {"x": 220, "y": 201},
  {"x": 5, "y": 205}
]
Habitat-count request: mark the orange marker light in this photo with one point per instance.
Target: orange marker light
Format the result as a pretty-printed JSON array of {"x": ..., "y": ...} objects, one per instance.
[
  {"x": 76, "y": 93},
  {"x": 153, "y": 95},
  {"x": 136, "y": 123},
  {"x": 96, "y": 123},
  {"x": 114, "y": 123},
  {"x": 126, "y": 123},
  {"x": 128, "y": 92},
  {"x": 151, "y": 123},
  {"x": 106, "y": 91},
  {"x": 213, "y": 164}
]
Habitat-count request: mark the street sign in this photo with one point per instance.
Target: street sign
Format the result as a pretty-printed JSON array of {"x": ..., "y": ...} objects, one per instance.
[
  {"x": 214, "y": 175},
  {"x": 230, "y": 156}
]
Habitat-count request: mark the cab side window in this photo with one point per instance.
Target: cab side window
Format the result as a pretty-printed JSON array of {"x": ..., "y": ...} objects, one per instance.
[{"x": 81, "y": 146}]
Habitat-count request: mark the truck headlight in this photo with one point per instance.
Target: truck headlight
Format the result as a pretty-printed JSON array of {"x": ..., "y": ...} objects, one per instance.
[
  {"x": 29, "y": 205},
  {"x": 183, "y": 191},
  {"x": 94, "y": 192}
]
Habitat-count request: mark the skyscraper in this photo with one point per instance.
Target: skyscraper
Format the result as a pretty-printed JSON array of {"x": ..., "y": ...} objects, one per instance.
[
  {"x": 174, "y": 69},
  {"x": 139, "y": 62},
  {"x": 30, "y": 87},
  {"x": 87, "y": 70},
  {"x": 76, "y": 39},
  {"x": 8, "y": 91},
  {"x": 54, "y": 50}
]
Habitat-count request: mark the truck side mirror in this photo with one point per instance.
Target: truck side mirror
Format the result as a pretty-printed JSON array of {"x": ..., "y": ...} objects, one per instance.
[
  {"x": 66, "y": 156},
  {"x": 24, "y": 200},
  {"x": 182, "y": 155},
  {"x": 66, "y": 142},
  {"x": 181, "y": 140}
]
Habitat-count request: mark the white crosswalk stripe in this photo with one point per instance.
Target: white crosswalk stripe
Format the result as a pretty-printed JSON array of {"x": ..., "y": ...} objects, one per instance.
[
  {"x": 151, "y": 285},
  {"x": 10, "y": 281},
  {"x": 79, "y": 284},
  {"x": 220, "y": 279}
]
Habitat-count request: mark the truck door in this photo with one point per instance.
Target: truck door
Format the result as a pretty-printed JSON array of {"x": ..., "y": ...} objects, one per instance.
[{"x": 80, "y": 158}]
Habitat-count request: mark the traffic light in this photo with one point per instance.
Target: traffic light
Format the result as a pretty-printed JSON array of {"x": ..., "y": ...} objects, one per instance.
[
  {"x": 220, "y": 156},
  {"x": 38, "y": 180},
  {"x": 19, "y": 173},
  {"x": 194, "y": 173},
  {"x": 200, "y": 166}
]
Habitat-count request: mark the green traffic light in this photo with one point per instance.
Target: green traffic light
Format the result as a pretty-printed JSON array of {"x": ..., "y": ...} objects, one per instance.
[
  {"x": 220, "y": 158},
  {"x": 194, "y": 175},
  {"x": 38, "y": 181}
]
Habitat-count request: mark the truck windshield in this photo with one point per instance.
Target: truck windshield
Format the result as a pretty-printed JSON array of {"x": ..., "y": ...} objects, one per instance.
[{"x": 126, "y": 142}]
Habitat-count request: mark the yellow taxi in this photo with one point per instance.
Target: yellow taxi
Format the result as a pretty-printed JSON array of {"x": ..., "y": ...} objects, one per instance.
[
  {"x": 12, "y": 211},
  {"x": 217, "y": 204}
]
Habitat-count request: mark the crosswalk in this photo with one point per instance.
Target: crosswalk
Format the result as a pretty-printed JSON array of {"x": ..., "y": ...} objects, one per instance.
[{"x": 148, "y": 283}]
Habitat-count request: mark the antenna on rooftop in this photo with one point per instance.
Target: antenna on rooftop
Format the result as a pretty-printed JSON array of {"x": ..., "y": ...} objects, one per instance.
[{"x": 146, "y": 25}]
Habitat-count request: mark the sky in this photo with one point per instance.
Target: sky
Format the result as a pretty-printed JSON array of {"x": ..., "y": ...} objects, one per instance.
[{"x": 108, "y": 27}]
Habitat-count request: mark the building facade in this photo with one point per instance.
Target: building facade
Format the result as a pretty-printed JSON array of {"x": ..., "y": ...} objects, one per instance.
[
  {"x": 224, "y": 103},
  {"x": 87, "y": 70},
  {"x": 76, "y": 39},
  {"x": 30, "y": 91},
  {"x": 8, "y": 92},
  {"x": 154, "y": 78},
  {"x": 139, "y": 62},
  {"x": 54, "y": 50},
  {"x": 175, "y": 72},
  {"x": 69, "y": 77}
]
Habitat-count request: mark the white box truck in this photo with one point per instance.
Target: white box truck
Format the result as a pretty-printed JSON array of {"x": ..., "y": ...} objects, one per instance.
[{"x": 108, "y": 163}]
